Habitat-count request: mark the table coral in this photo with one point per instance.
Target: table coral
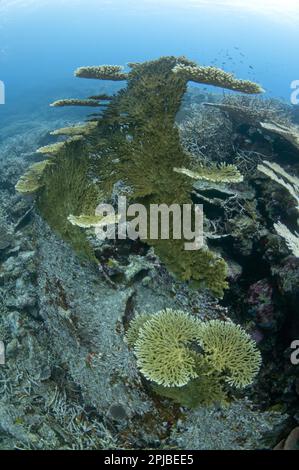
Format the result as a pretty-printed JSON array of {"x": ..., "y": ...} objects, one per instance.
[{"x": 136, "y": 141}]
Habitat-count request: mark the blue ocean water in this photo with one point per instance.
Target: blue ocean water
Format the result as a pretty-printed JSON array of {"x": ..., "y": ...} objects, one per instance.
[{"x": 42, "y": 42}]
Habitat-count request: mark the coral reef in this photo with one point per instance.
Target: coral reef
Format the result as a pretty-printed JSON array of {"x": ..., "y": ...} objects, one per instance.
[{"x": 142, "y": 153}]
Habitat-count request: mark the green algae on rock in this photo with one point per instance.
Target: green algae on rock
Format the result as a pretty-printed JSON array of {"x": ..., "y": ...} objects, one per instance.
[{"x": 136, "y": 142}]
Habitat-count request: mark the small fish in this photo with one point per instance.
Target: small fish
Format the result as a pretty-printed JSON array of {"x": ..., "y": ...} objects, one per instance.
[{"x": 250, "y": 66}]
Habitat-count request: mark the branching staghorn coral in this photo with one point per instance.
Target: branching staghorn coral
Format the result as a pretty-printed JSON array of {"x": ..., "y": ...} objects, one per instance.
[
  {"x": 166, "y": 348},
  {"x": 102, "y": 72},
  {"x": 221, "y": 173},
  {"x": 276, "y": 173},
  {"x": 292, "y": 240},
  {"x": 216, "y": 77},
  {"x": 136, "y": 142}
]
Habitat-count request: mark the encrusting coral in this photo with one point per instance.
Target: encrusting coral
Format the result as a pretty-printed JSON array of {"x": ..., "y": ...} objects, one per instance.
[
  {"x": 136, "y": 141},
  {"x": 166, "y": 345}
]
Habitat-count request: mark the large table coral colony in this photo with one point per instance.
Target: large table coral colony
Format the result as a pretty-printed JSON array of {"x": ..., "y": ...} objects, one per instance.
[
  {"x": 135, "y": 141},
  {"x": 134, "y": 145}
]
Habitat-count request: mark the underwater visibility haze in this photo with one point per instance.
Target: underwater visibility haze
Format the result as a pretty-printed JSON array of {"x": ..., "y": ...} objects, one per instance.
[{"x": 149, "y": 225}]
